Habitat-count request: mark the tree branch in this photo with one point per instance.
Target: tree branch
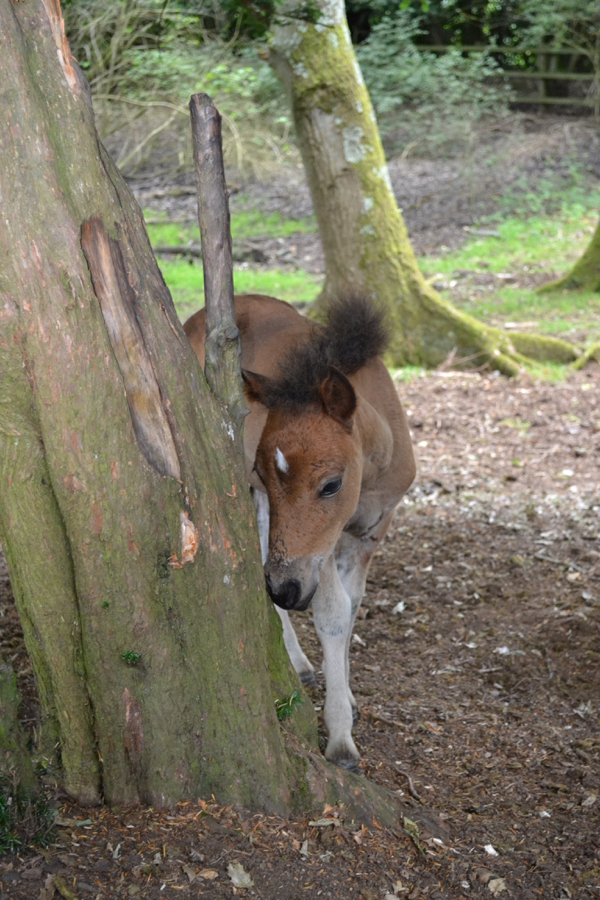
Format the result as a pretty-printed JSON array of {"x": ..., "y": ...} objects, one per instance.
[{"x": 223, "y": 345}]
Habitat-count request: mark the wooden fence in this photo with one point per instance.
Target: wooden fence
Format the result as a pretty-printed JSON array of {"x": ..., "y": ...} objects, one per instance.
[{"x": 549, "y": 83}]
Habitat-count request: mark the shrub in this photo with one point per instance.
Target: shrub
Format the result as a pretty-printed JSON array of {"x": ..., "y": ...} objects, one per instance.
[
  {"x": 423, "y": 98},
  {"x": 144, "y": 59}
]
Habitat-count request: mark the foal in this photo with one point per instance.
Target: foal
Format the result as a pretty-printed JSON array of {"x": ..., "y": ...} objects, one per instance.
[{"x": 329, "y": 457}]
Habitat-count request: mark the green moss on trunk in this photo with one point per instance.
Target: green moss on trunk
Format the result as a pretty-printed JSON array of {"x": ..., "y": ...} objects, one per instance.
[{"x": 585, "y": 274}]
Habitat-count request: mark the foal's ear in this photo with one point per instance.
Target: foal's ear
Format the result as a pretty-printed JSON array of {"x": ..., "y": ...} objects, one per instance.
[
  {"x": 338, "y": 397},
  {"x": 254, "y": 385}
]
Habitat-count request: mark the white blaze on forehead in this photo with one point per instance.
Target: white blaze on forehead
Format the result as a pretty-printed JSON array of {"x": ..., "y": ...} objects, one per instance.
[{"x": 281, "y": 462}]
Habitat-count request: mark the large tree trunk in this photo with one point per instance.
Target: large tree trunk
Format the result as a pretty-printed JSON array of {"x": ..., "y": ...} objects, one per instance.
[
  {"x": 124, "y": 510},
  {"x": 125, "y": 514},
  {"x": 366, "y": 244}
]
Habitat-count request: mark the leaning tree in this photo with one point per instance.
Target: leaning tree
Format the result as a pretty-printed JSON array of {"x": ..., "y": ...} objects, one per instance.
[
  {"x": 125, "y": 514},
  {"x": 364, "y": 237}
]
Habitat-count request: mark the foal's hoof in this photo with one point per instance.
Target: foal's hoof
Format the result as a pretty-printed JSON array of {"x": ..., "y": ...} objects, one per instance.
[
  {"x": 349, "y": 765},
  {"x": 309, "y": 679}
]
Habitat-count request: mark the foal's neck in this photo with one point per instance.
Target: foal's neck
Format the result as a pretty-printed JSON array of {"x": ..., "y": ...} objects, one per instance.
[{"x": 376, "y": 439}]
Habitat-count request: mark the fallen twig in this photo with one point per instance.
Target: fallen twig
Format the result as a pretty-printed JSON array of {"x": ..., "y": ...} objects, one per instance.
[{"x": 411, "y": 787}]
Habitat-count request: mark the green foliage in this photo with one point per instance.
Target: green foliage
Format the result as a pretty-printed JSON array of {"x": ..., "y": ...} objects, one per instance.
[
  {"x": 131, "y": 657},
  {"x": 145, "y": 58},
  {"x": 566, "y": 23},
  {"x": 286, "y": 707},
  {"x": 439, "y": 96},
  {"x": 457, "y": 22},
  {"x": 563, "y": 23},
  {"x": 25, "y": 818},
  {"x": 102, "y": 34}
]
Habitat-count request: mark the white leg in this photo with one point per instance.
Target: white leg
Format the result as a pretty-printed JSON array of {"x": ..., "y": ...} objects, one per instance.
[
  {"x": 297, "y": 657},
  {"x": 353, "y": 557},
  {"x": 261, "y": 502},
  {"x": 333, "y": 620}
]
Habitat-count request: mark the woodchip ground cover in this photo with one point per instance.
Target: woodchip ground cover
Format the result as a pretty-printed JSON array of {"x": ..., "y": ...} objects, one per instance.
[{"x": 479, "y": 694}]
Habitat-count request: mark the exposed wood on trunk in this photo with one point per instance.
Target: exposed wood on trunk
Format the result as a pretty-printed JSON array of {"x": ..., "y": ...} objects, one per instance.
[{"x": 117, "y": 301}]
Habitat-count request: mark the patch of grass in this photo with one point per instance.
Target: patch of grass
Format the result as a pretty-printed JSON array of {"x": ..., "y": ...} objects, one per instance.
[
  {"x": 253, "y": 223},
  {"x": 186, "y": 282},
  {"x": 518, "y": 424},
  {"x": 495, "y": 279},
  {"x": 408, "y": 373},
  {"x": 245, "y": 225},
  {"x": 549, "y": 371}
]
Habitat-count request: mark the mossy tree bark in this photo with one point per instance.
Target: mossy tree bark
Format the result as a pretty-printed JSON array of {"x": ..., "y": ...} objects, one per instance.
[
  {"x": 366, "y": 244},
  {"x": 15, "y": 762},
  {"x": 125, "y": 516},
  {"x": 124, "y": 511},
  {"x": 129, "y": 530}
]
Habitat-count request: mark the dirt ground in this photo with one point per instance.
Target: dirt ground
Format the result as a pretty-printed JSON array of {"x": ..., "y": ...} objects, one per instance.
[{"x": 475, "y": 665}]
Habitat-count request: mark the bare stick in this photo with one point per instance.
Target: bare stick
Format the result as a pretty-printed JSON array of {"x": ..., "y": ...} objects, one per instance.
[{"x": 223, "y": 347}]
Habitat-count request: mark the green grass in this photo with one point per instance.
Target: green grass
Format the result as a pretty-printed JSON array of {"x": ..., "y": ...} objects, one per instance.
[
  {"x": 185, "y": 279},
  {"x": 186, "y": 283},
  {"x": 245, "y": 224},
  {"x": 531, "y": 252}
]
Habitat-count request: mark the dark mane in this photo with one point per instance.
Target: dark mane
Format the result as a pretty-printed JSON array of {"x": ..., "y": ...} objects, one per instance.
[{"x": 354, "y": 334}]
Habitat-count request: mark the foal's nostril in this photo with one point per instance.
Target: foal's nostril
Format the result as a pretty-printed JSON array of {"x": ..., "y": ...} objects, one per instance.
[{"x": 287, "y": 595}]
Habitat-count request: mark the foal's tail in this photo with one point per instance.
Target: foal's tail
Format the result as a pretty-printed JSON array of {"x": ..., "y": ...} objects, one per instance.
[
  {"x": 355, "y": 332},
  {"x": 353, "y": 335}
]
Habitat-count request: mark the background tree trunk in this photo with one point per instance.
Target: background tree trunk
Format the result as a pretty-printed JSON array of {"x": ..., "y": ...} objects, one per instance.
[
  {"x": 366, "y": 244},
  {"x": 124, "y": 510},
  {"x": 585, "y": 274}
]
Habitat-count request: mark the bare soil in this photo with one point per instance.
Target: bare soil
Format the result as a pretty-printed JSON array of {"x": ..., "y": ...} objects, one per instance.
[{"x": 479, "y": 694}]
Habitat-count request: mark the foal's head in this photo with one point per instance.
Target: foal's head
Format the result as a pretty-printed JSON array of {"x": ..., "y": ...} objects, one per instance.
[{"x": 309, "y": 460}]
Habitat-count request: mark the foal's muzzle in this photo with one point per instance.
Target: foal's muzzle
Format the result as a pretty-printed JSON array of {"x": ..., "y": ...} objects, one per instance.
[{"x": 288, "y": 595}]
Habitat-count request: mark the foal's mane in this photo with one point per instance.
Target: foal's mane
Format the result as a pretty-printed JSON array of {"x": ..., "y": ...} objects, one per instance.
[{"x": 354, "y": 334}]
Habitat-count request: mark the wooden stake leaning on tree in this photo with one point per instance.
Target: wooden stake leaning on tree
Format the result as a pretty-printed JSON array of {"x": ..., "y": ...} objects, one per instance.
[{"x": 223, "y": 345}]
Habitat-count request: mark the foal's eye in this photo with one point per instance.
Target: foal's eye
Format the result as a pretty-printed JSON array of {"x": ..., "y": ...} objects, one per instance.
[{"x": 331, "y": 487}]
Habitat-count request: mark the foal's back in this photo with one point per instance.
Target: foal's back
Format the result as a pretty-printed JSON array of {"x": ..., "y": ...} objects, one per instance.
[{"x": 269, "y": 329}]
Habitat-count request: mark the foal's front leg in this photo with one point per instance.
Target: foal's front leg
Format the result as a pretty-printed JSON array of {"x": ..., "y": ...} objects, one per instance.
[
  {"x": 298, "y": 658},
  {"x": 332, "y": 609},
  {"x": 353, "y": 556}
]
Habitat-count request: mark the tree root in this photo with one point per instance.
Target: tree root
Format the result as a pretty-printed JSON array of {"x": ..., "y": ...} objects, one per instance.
[
  {"x": 365, "y": 802},
  {"x": 428, "y": 331},
  {"x": 592, "y": 353},
  {"x": 320, "y": 783}
]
